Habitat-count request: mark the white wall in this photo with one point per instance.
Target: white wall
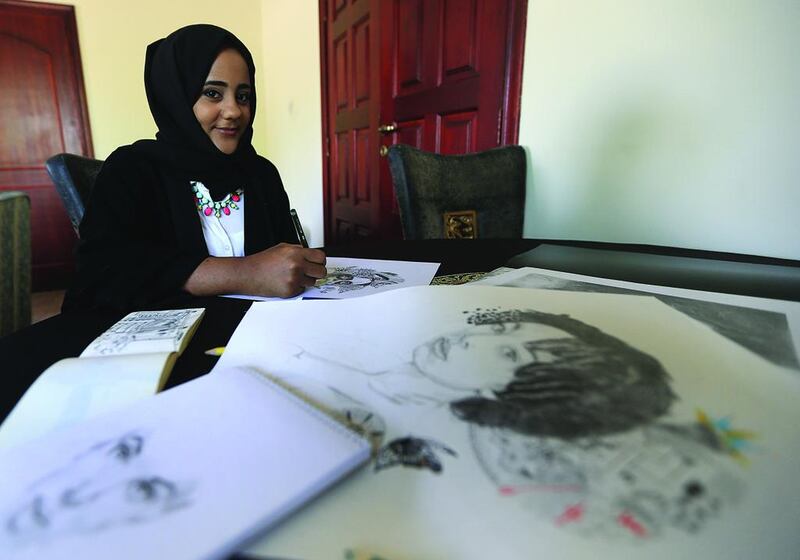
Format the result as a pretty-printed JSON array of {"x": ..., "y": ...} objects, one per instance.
[
  {"x": 669, "y": 122},
  {"x": 290, "y": 105}
]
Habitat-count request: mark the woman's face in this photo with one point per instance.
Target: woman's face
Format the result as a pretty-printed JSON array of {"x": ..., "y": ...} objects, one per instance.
[
  {"x": 482, "y": 357},
  {"x": 223, "y": 108}
]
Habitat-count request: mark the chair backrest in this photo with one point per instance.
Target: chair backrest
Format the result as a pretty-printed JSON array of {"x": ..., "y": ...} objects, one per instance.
[
  {"x": 15, "y": 261},
  {"x": 74, "y": 178},
  {"x": 480, "y": 195}
]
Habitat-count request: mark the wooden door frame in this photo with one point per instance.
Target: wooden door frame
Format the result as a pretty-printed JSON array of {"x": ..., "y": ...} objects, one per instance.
[
  {"x": 67, "y": 15},
  {"x": 512, "y": 91}
]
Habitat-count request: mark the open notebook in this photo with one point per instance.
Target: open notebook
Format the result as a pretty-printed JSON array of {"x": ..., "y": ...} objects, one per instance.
[
  {"x": 131, "y": 360},
  {"x": 193, "y": 472}
]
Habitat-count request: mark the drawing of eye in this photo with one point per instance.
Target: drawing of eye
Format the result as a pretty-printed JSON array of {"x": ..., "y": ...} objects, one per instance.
[
  {"x": 126, "y": 448},
  {"x": 149, "y": 490},
  {"x": 498, "y": 328},
  {"x": 509, "y": 353}
]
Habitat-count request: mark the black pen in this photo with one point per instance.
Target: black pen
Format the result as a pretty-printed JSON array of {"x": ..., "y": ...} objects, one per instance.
[{"x": 298, "y": 228}]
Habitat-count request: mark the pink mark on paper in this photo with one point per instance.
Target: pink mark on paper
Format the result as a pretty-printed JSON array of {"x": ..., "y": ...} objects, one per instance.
[
  {"x": 628, "y": 521},
  {"x": 571, "y": 514}
]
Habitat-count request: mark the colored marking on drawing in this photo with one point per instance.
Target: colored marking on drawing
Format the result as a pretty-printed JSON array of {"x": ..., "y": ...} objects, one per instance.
[
  {"x": 509, "y": 490},
  {"x": 572, "y": 514},
  {"x": 733, "y": 441},
  {"x": 630, "y": 523}
]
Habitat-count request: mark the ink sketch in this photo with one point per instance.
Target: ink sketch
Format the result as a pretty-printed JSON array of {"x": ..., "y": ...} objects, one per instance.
[
  {"x": 145, "y": 331},
  {"x": 351, "y": 277}
]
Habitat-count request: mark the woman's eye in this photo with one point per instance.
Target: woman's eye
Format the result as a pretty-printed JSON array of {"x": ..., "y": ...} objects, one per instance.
[
  {"x": 212, "y": 94},
  {"x": 243, "y": 97}
]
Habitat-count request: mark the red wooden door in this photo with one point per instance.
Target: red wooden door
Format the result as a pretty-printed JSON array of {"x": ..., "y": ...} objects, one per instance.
[
  {"x": 442, "y": 75},
  {"x": 43, "y": 112}
]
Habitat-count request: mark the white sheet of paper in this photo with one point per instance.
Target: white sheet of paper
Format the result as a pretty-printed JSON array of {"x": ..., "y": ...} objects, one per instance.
[
  {"x": 773, "y": 331},
  {"x": 351, "y": 277},
  {"x": 445, "y": 487},
  {"x": 190, "y": 473}
]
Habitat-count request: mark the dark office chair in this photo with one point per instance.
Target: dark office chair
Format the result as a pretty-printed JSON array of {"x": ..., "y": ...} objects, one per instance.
[
  {"x": 74, "y": 178},
  {"x": 477, "y": 196},
  {"x": 15, "y": 261}
]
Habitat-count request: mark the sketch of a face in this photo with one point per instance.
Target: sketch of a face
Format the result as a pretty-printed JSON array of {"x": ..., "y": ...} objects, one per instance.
[
  {"x": 545, "y": 374},
  {"x": 107, "y": 485},
  {"x": 484, "y": 357}
]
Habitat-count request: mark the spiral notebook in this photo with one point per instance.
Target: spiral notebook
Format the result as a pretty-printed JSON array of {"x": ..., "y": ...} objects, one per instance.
[{"x": 193, "y": 472}]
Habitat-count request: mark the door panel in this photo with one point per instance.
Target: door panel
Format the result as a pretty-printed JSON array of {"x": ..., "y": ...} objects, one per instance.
[
  {"x": 43, "y": 113},
  {"x": 446, "y": 73}
]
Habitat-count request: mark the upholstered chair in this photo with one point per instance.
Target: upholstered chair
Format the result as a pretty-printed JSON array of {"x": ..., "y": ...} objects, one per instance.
[
  {"x": 480, "y": 195},
  {"x": 74, "y": 178},
  {"x": 15, "y": 261}
]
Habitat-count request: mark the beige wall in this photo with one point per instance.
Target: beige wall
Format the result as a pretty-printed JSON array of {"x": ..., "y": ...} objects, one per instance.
[
  {"x": 671, "y": 122},
  {"x": 291, "y": 104}
]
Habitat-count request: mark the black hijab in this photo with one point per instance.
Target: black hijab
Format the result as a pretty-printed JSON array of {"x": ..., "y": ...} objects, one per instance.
[{"x": 175, "y": 71}]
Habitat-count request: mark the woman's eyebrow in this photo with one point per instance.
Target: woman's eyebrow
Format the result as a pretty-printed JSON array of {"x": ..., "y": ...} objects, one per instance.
[{"x": 216, "y": 83}]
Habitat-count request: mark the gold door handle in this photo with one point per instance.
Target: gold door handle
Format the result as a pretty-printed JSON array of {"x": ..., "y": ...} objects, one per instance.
[
  {"x": 383, "y": 151},
  {"x": 387, "y": 128}
]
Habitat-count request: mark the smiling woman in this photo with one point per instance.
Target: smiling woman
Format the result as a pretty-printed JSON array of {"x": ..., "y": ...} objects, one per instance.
[{"x": 195, "y": 211}]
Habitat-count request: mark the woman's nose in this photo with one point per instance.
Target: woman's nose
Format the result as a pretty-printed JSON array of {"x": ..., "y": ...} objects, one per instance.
[{"x": 230, "y": 108}]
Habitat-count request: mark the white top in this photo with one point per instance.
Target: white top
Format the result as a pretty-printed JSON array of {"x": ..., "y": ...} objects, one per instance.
[{"x": 223, "y": 232}]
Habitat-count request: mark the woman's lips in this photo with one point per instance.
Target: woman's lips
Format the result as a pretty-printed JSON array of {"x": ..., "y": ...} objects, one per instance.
[{"x": 227, "y": 131}]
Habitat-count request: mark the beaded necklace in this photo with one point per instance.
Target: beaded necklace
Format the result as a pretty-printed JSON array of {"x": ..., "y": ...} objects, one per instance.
[{"x": 207, "y": 206}]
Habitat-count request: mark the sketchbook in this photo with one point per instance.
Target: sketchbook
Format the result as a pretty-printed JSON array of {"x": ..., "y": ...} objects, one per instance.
[
  {"x": 522, "y": 423},
  {"x": 191, "y": 473},
  {"x": 131, "y": 360}
]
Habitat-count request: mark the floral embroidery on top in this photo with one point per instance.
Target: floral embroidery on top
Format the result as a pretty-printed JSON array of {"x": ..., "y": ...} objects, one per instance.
[{"x": 208, "y": 206}]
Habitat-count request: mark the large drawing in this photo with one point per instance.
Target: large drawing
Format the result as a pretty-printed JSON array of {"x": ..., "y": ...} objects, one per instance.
[{"x": 581, "y": 413}]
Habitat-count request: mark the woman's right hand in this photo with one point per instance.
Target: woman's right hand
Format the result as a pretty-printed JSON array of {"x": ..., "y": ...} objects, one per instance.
[
  {"x": 281, "y": 271},
  {"x": 284, "y": 270}
]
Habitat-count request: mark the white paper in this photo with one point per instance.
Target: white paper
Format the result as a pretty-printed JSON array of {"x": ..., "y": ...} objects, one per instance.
[
  {"x": 190, "y": 473},
  {"x": 145, "y": 331},
  {"x": 350, "y": 277},
  {"x": 772, "y": 331},
  {"x": 445, "y": 487}
]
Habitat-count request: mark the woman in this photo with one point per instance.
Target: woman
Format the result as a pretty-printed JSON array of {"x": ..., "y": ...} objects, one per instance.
[{"x": 195, "y": 211}]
